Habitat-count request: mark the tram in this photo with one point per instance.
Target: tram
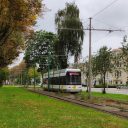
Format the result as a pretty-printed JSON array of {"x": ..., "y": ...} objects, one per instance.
[{"x": 66, "y": 80}]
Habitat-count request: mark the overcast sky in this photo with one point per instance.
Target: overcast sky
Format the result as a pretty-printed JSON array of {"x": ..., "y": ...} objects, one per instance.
[{"x": 114, "y": 17}]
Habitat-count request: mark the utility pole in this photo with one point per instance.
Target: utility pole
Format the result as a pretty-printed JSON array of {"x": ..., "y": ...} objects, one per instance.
[
  {"x": 90, "y": 51},
  {"x": 90, "y": 56},
  {"x": 90, "y": 29}
]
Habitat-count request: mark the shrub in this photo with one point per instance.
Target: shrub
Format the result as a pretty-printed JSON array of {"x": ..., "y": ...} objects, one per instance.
[{"x": 99, "y": 86}]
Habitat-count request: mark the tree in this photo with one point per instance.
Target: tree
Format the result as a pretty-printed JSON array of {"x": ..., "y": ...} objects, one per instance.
[
  {"x": 11, "y": 49},
  {"x": 4, "y": 72},
  {"x": 17, "y": 15},
  {"x": 18, "y": 74},
  {"x": 33, "y": 75},
  {"x": 94, "y": 70},
  {"x": 84, "y": 67},
  {"x": 16, "y": 19},
  {"x": 125, "y": 53},
  {"x": 103, "y": 63},
  {"x": 70, "y": 40},
  {"x": 41, "y": 50}
]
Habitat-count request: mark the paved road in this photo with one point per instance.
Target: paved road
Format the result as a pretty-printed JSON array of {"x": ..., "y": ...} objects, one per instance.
[{"x": 109, "y": 90}]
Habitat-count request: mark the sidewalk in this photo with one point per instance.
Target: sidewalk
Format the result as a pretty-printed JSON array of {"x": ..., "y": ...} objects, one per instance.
[{"x": 109, "y": 90}]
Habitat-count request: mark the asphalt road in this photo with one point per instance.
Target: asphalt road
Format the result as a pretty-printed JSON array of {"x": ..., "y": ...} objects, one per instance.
[{"x": 109, "y": 90}]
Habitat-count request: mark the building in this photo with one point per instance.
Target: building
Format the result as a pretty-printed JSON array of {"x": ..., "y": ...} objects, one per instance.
[{"x": 118, "y": 76}]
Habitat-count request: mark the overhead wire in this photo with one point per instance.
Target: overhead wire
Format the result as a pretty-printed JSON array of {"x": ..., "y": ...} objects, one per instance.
[
  {"x": 106, "y": 24},
  {"x": 102, "y": 38},
  {"x": 109, "y": 5},
  {"x": 103, "y": 9}
]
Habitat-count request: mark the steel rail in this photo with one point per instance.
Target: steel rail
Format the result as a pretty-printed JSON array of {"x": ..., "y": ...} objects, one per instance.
[{"x": 80, "y": 103}]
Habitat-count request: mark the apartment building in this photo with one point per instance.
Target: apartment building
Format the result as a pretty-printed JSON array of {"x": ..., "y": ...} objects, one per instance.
[{"x": 118, "y": 76}]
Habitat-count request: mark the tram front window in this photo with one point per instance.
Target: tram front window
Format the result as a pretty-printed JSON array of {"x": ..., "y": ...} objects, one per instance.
[{"x": 73, "y": 78}]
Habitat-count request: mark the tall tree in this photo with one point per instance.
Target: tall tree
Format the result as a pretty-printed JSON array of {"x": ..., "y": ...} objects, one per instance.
[
  {"x": 11, "y": 49},
  {"x": 17, "y": 15},
  {"x": 102, "y": 63},
  {"x": 16, "y": 20},
  {"x": 18, "y": 74},
  {"x": 33, "y": 75},
  {"x": 70, "y": 40}
]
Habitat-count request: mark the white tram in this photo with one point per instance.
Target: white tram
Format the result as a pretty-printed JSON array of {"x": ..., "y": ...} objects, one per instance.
[{"x": 68, "y": 80}]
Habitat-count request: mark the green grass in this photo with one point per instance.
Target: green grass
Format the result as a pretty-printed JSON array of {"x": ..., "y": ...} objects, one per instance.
[
  {"x": 118, "y": 97},
  {"x": 22, "y": 109}
]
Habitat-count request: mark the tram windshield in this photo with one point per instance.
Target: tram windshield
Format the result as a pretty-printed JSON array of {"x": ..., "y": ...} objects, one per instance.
[{"x": 73, "y": 78}]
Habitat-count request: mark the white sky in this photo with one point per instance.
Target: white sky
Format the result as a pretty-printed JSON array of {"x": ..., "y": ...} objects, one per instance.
[{"x": 114, "y": 17}]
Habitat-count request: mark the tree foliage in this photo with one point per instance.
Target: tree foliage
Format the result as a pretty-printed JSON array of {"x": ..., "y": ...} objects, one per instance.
[
  {"x": 125, "y": 53},
  {"x": 4, "y": 72},
  {"x": 20, "y": 74},
  {"x": 17, "y": 70},
  {"x": 41, "y": 50},
  {"x": 17, "y": 15},
  {"x": 33, "y": 73},
  {"x": 102, "y": 63},
  {"x": 17, "y": 73},
  {"x": 16, "y": 19},
  {"x": 70, "y": 40},
  {"x": 11, "y": 49}
]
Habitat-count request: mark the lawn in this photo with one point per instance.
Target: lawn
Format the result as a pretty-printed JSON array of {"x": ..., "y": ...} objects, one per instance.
[
  {"x": 118, "y": 97},
  {"x": 22, "y": 109}
]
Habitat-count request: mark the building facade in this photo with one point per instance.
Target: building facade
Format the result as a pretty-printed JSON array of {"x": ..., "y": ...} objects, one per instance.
[{"x": 118, "y": 76}]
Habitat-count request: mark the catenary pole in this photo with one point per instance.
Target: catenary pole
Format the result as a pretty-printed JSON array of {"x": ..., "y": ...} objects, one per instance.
[
  {"x": 90, "y": 29},
  {"x": 90, "y": 50}
]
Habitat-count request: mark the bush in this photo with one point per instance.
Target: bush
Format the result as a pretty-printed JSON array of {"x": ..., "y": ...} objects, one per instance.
[
  {"x": 1, "y": 84},
  {"x": 99, "y": 86},
  {"x": 112, "y": 86},
  {"x": 107, "y": 86}
]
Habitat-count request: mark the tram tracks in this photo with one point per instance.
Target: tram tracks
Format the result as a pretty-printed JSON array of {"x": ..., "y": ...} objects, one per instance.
[{"x": 99, "y": 107}]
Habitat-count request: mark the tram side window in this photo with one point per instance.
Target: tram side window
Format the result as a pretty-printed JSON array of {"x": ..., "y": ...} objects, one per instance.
[
  {"x": 54, "y": 81},
  {"x": 58, "y": 80},
  {"x": 63, "y": 80}
]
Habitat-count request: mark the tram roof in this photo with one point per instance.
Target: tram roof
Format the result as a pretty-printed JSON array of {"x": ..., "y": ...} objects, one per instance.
[
  {"x": 67, "y": 70},
  {"x": 62, "y": 71},
  {"x": 72, "y": 70}
]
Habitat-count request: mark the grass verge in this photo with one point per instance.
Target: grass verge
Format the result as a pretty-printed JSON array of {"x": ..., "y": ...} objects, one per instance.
[
  {"x": 22, "y": 109},
  {"x": 117, "y": 97}
]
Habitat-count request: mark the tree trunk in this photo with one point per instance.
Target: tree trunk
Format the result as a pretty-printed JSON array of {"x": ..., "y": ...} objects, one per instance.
[
  {"x": 104, "y": 89},
  {"x": 87, "y": 85},
  {"x": 42, "y": 79},
  {"x": 76, "y": 59}
]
